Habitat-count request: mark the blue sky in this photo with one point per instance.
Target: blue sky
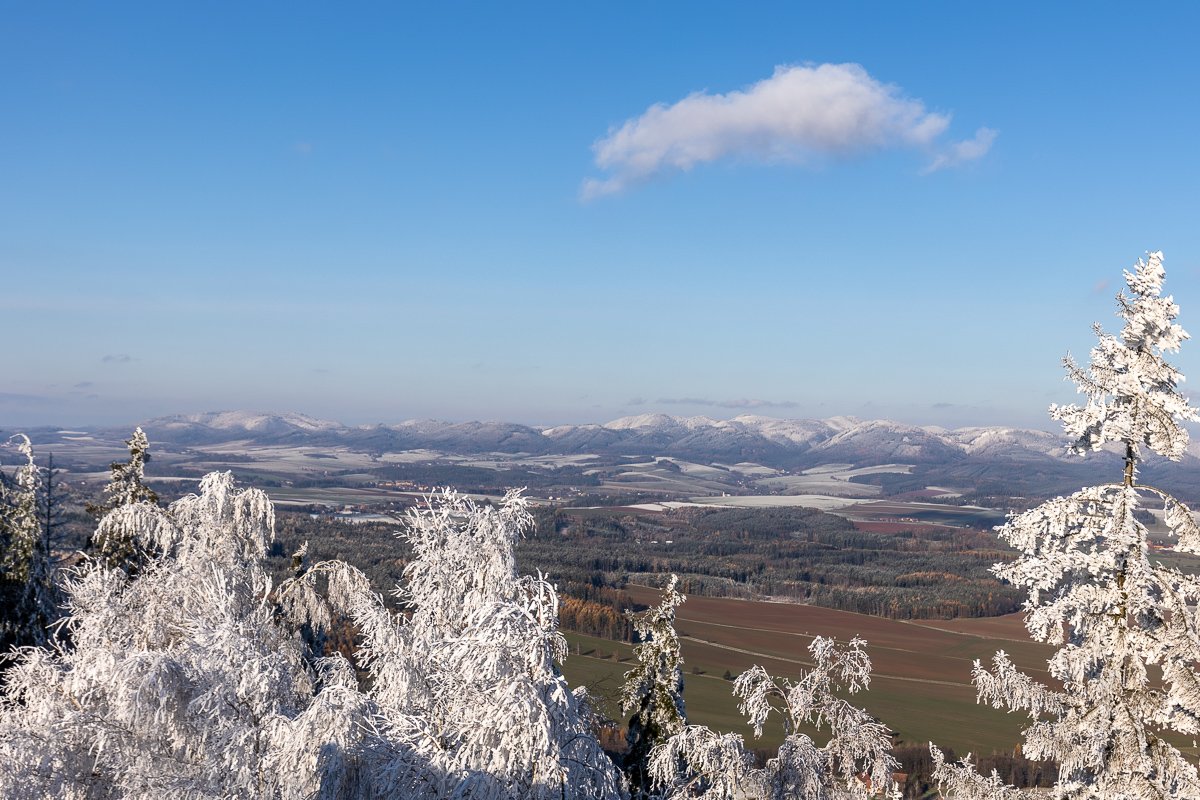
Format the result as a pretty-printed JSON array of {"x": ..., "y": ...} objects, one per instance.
[{"x": 372, "y": 213}]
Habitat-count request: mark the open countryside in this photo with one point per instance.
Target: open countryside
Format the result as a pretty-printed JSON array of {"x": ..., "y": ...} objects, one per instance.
[{"x": 921, "y": 681}]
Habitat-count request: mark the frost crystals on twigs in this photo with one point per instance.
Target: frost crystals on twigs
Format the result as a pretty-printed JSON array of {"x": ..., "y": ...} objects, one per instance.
[
  {"x": 1116, "y": 615},
  {"x": 1132, "y": 392},
  {"x": 855, "y": 764}
]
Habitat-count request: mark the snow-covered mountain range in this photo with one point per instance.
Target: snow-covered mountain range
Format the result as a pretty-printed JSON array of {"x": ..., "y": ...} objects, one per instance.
[{"x": 768, "y": 440}]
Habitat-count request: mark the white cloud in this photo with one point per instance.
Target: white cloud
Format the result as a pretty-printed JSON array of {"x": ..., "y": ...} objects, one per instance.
[
  {"x": 960, "y": 153},
  {"x": 799, "y": 114}
]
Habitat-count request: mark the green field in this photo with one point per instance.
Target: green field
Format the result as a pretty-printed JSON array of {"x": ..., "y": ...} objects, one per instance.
[
  {"x": 922, "y": 675},
  {"x": 709, "y": 696}
]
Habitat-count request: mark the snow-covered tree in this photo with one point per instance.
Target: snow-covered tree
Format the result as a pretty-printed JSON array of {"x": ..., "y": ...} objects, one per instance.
[
  {"x": 19, "y": 523},
  {"x": 127, "y": 484},
  {"x": 653, "y": 689},
  {"x": 127, "y": 481},
  {"x": 115, "y": 545},
  {"x": 190, "y": 677},
  {"x": 180, "y": 681},
  {"x": 854, "y": 764},
  {"x": 27, "y": 603},
  {"x": 1125, "y": 624},
  {"x": 468, "y": 699},
  {"x": 480, "y": 650}
]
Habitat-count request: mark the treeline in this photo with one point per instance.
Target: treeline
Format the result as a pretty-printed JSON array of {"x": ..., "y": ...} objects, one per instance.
[
  {"x": 595, "y": 610},
  {"x": 799, "y": 554},
  {"x": 373, "y": 547},
  {"x": 795, "y": 553},
  {"x": 585, "y": 606},
  {"x": 916, "y": 763}
]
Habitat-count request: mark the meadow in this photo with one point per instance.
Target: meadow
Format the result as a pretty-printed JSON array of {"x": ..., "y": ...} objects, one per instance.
[{"x": 921, "y": 685}]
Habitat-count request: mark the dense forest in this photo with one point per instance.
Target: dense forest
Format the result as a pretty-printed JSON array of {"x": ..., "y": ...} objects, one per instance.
[
  {"x": 789, "y": 553},
  {"x": 799, "y": 554}
]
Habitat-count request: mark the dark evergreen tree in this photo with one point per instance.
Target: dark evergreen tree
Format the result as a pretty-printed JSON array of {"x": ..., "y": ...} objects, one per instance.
[
  {"x": 653, "y": 689},
  {"x": 51, "y": 512},
  {"x": 27, "y": 604}
]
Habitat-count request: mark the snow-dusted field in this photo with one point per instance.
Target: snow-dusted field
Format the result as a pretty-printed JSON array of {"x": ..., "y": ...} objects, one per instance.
[
  {"x": 751, "y": 469},
  {"x": 668, "y": 505},
  {"x": 823, "y": 502},
  {"x": 412, "y": 457},
  {"x": 817, "y": 484},
  {"x": 300, "y": 459},
  {"x": 831, "y": 479}
]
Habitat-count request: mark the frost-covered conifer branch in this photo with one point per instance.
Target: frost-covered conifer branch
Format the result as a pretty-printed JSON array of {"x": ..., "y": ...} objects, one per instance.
[
  {"x": 128, "y": 482},
  {"x": 1114, "y": 612},
  {"x": 1006, "y": 687},
  {"x": 1132, "y": 394},
  {"x": 18, "y": 516},
  {"x": 653, "y": 689}
]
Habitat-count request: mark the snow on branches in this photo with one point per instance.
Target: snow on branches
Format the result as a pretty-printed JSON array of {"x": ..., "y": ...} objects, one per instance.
[
  {"x": 653, "y": 689},
  {"x": 27, "y": 602},
  {"x": 479, "y": 653},
  {"x": 18, "y": 515},
  {"x": 117, "y": 541},
  {"x": 1125, "y": 623},
  {"x": 127, "y": 483},
  {"x": 1132, "y": 394},
  {"x": 466, "y": 695},
  {"x": 177, "y": 682},
  {"x": 191, "y": 678},
  {"x": 854, "y": 764}
]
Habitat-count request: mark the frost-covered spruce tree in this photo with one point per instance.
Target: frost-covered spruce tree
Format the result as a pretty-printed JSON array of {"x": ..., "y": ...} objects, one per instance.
[
  {"x": 1125, "y": 625},
  {"x": 181, "y": 681},
  {"x": 127, "y": 483},
  {"x": 854, "y": 764},
  {"x": 26, "y": 595},
  {"x": 653, "y": 689},
  {"x": 468, "y": 699},
  {"x": 114, "y": 545}
]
